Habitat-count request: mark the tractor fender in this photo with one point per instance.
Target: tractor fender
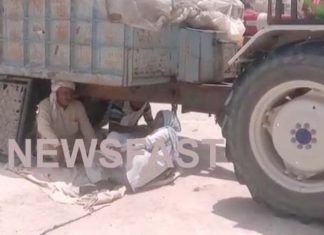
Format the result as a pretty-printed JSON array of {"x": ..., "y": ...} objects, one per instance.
[{"x": 275, "y": 36}]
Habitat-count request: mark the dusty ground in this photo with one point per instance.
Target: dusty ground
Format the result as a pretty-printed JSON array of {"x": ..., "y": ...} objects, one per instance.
[{"x": 203, "y": 201}]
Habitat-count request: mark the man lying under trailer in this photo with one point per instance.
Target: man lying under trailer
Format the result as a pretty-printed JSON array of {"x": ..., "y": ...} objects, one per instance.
[
  {"x": 149, "y": 161},
  {"x": 123, "y": 116}
]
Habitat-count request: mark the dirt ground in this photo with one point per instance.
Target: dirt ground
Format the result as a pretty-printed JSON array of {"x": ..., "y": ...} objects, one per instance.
[{"x": 203, "y": 201}]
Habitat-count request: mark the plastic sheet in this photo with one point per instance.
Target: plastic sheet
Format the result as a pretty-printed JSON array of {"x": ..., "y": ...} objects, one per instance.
[{"x": 225, "y": 15}]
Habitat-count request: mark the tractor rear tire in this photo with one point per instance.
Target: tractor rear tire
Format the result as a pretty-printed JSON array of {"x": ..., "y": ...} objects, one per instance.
[{"x": 246, "y": 94}]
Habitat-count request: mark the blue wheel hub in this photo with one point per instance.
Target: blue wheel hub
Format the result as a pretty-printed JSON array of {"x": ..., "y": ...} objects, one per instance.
[{"x": 304, "y": 136}]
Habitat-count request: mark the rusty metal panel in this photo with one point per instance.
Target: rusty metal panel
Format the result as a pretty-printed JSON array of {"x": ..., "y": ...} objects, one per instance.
[
  {"x": 13, "y": 53},
  {"x": 109, "y": 48},
  {"x": 229, "y": 49},
  {"x": 160, "y": 39},
  {"x": 189, "y": 51},
  {"x": 74, "y": 36},
  {"x": 36, "y": 8},
  {"x": 201, "y": 56},
  {"x": 82, "y": 58},
  {"x": 82, "y": 33},
  {"x": 13, "y": 30},
  {"x": 152, "y": 57},
  {"x": 100, "y": 9},
  {"x": 109, "y": 60},
  {"x": 83, "y": 9},
  {"x": 58, "y": 14},
  {"x": 207, "y": 57},
  {"x": 110, "y": 34},
  {"x": 36, "y": 55},
  {"x": 60, "y": 9},
  {"x": 152, "y": 63},
  {"x": 59, "y": 56},
  {"x": 60, "y": 31},
  {"x": 13, "y": 9},
  {"x": 73, "y": 40},
  {"x": 36, "y": 30}
]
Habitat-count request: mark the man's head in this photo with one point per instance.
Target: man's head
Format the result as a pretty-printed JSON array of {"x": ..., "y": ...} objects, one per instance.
[
  {"x": 64, "y": 96},
  {"x": 63, "y": 92},
  {"x": 136, "y": 105}
]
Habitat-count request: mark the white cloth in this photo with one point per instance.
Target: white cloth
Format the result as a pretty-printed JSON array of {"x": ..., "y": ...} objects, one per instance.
[
  {"x": 62, "y": 185},
  {"x": 97, "y": 172},
  {"x": 171, "y": 120},
  {"x": 54, "y": 88},
  {"x": 144, "y": 168},
  {"x": 172, "y": 124},
  {"x": 121, "y": 138}
]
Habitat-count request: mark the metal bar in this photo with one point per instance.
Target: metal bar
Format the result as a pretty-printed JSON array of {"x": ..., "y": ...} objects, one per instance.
[
  {"x": 25, "y": 32},
  {"x": 93, "y": 37},
  {"x": 203, "y": 98},
  {"x": 154, "y": 93},
  {"x": 1, "y": 31},
  {"x": 297, "y": 22},
  {"x": 207, "y": 98},
  {"x": 130, "y": 61},
  {"x": 72, "y": 49},
  {"x": 269, "y": 11},
  {"x": 278, "y": 9},
  {"x": 102, "y": 79},
  {"x": 294, "y": 12},
  {"x": 294, "y": 20},
  {"x": 25, "y": 109},
  {"x": 47, "y": 33}
]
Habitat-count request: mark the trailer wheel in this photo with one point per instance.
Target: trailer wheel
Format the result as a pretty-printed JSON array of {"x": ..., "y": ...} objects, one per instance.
[{"x": 274, "y": 125}]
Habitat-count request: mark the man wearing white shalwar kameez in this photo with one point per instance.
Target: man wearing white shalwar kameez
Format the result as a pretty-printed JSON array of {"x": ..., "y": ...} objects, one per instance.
[
  {"x": 62, "y": 117},
  {"x": 143, "y": 168}
]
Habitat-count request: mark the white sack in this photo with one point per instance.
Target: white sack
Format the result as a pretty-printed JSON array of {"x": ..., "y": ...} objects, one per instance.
[{"x": 152, "y": 15}]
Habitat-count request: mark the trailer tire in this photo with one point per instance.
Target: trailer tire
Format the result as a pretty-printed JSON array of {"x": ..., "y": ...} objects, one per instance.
[{"x": 236, "y": 123}]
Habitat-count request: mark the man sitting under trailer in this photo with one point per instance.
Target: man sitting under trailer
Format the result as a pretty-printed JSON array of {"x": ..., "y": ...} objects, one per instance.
[
  {"x": 60, "y": 116},
  {"x": 123, "y": 116}
]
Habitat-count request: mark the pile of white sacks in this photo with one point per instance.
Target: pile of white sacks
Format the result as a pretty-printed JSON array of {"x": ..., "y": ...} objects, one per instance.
[{"x": 224, "y": 15}]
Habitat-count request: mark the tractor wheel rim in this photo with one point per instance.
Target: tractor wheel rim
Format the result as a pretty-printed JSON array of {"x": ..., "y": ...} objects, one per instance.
[{"x": 265, "y": 146}]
